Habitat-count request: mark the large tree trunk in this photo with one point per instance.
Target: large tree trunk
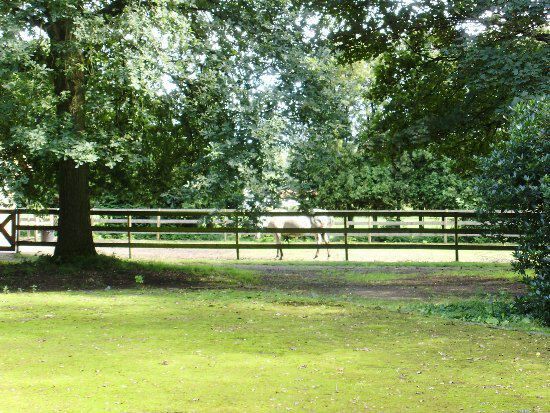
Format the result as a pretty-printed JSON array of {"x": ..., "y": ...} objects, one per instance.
[{"x": 75, "y": 229}]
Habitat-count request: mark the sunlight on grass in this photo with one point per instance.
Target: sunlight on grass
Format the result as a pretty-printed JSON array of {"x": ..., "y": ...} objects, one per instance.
[{"x": 244, "y": 351}]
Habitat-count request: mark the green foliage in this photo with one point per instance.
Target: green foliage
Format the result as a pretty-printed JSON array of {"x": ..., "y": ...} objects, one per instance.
[
  {"x": 226, "y": 104},
  {"x": 430, "y": 181},
  {"x": 326, "y": 176},
  {"x": 516, "y": 178},
  {"x": 493, "y": 311},
  {"x": 445, "y": 72},
  {"x": 170, "y": 108}
]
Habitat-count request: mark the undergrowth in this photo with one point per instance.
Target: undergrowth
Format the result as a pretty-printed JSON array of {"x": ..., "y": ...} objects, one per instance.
[{"x": 494, "y": 310}]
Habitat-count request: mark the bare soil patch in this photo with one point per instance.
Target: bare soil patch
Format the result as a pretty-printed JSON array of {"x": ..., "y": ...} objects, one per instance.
[{"x": 423, "y": 282}]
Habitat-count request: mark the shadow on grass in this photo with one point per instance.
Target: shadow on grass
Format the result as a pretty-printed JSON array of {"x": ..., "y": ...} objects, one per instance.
[{"x": 46, "y": 274}]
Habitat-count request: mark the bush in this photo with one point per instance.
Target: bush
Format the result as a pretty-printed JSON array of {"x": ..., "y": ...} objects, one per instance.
[{"x": 515, "y": 177}]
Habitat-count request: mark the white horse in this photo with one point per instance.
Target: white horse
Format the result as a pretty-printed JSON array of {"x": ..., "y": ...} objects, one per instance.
[{"x": 299, "y": 222}]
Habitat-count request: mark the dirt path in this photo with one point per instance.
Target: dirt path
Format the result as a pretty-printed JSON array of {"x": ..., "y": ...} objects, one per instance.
[
  {"x": 400, "y": 255},
  {"x": 402, "y": 282}
]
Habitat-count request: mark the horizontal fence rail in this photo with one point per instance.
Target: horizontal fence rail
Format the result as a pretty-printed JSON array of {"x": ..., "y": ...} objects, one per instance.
[{"x": 351, "y": 230}]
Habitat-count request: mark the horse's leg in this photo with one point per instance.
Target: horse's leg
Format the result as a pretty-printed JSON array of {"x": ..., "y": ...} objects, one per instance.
[
  {"x": 318, "y": 240},
  {"x": 278, "y": 242},
  {"x": 278, "y": 238},
  {"x": 327, "y": 240}
]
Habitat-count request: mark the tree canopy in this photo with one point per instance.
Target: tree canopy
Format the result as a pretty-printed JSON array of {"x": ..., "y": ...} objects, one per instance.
[{"x": 446, "y": 72}]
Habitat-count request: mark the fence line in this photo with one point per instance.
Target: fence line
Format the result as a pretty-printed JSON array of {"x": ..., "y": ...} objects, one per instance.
[{"x": 447, "y": 224}]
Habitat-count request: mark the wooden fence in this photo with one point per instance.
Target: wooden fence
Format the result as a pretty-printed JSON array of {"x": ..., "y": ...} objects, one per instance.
[{"x": 366, "y": 229}]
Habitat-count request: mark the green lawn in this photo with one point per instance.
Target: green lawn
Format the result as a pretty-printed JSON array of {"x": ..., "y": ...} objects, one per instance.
[{"x": 239, "y": 347}]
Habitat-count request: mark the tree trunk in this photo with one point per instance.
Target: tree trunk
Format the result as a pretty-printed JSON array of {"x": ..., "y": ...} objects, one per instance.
[
  {"x": 75, "y": 228},
  {"x": 75, "y": 237}
]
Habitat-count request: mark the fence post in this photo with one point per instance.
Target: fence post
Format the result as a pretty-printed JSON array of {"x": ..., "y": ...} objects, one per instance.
[
  {"x": 158, "y": 225},
  {"x": 225, "y": 223},
  {"x": 16, "y": 230},
  {"x": 456, "y": 236},
  {"x": 374, "y": 220},
  {"x": 369, "y": 225},
  {"x": 346, "y": 237},
  {"x": 129, "y": 222},
  {"x": 237, "y": 236},
  {"x": 444, "y": 227}
]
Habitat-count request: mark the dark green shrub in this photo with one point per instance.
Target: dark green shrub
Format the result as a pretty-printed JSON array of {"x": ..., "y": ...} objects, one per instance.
[{"x": 516, "y": 177}]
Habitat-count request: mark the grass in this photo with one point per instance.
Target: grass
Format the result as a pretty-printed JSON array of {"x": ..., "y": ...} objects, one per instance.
[
  {"x": 99, "y": 272},
  {"x": 227, "y": 344},
  {"x": 383, "y": 277},
  {"x": 237, "y": 351}
]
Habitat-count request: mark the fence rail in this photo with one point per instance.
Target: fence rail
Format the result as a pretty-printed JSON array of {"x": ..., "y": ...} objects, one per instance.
[{"x": 448, "y": 226}]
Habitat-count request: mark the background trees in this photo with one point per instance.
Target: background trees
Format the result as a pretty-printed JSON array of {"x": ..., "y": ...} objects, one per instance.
[
  {"x": 212, "y": 104},
  {"x": 445, "y": 72}
]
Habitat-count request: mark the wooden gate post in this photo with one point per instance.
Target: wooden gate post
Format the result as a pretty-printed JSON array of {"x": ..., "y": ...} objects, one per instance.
[
  {"x": 158, "y": 225},
  {"x": 444, "y": 227},
  {"x": 369, "y": 225},
  {"x": 15, "y": 226}
]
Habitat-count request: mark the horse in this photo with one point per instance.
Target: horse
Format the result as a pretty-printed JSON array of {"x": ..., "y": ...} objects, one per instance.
[{"x": 298, "y": 222}]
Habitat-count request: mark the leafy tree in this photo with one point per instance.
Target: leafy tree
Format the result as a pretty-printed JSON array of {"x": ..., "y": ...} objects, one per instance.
[
  {"x": 446, "y": 72},
  {"x": 67, "y": 67},
  {"x": 347, "y": 179},
  {"x": 333, "y": 165},
  {"x": 125, "y": 101},
  {"x": 516, "y": 177}
]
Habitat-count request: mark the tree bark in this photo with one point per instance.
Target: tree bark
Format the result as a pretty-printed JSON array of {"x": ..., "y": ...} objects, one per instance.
[
  {"x": 75, "y": 228},
  {"x": 75, "y": 237}
]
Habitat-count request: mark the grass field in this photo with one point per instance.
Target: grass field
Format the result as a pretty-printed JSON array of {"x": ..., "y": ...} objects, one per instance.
[{"x": 260, "y": 337}]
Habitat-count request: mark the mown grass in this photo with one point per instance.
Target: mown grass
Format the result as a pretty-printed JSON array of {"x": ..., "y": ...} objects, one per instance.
[
  {"x": 219, "y": 342},
  {"x": 160, "y": 351},
  {"x": 383, "y": 277}
]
